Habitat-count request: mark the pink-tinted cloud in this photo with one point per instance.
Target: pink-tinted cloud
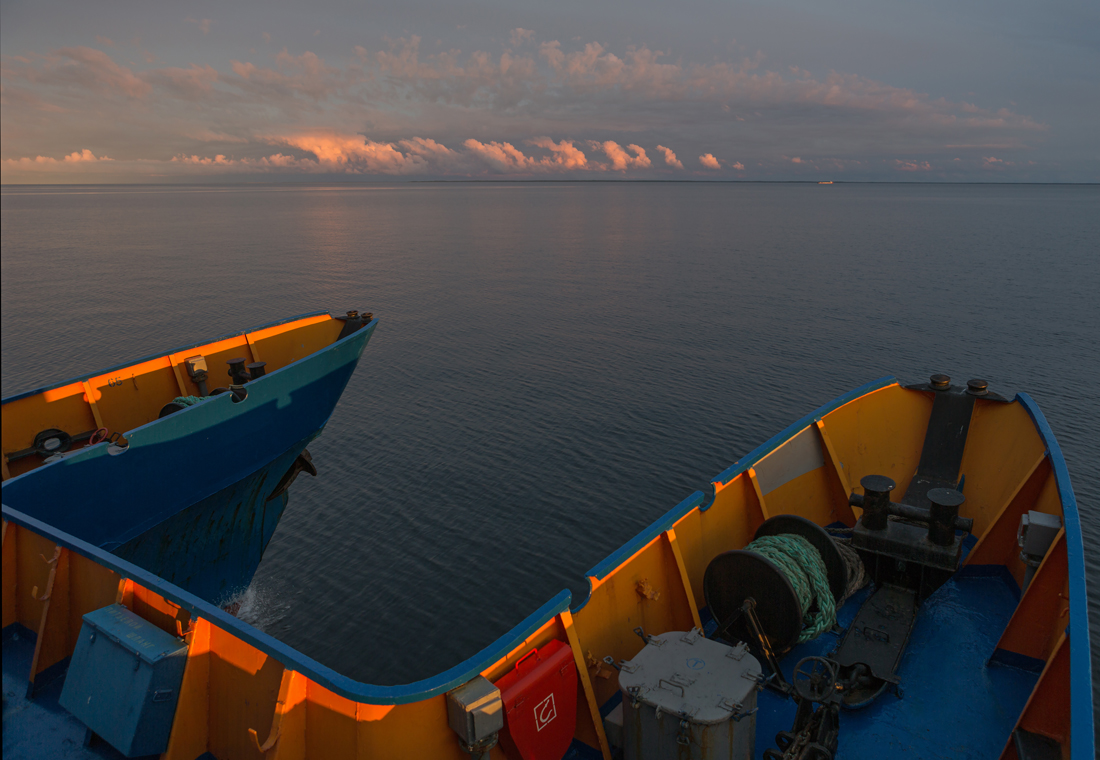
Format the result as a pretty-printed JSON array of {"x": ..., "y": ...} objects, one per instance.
[
  {"x": 218, "y": 160},
  {"x": 97, "y": 70},
  {"x": 24, "y": 98},
  {"x": 354, "y": 154},
  {"x": 334, "y": 152},
  {"x": 796, "y": 160},
  {"x": 520, "y": 35},
  {"x": 46, "y": 162},
  {"x": 83, "y": 155},
  {"x": 276, "y": 161},
  {"x": 621, "y": 160},
  {"x": 209, "y": 135},
  {"x": 191, "y": 83},
  {"x": 501, "y": 157},
  {"x": 105, "y": 41},
  {"x": 78, "y": 95},
  {"x": 563, "y": 154},
  {"x": 912, "y": 166},
  {"x": 294, "y": 77},
  {"x": 402, "y": 59},
  {"x": 202, "y": 23},
  {"x": 670, "y": 158}
]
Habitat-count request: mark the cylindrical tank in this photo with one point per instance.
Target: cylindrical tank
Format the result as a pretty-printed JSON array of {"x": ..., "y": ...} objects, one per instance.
[{"x": 685, "y": 696}]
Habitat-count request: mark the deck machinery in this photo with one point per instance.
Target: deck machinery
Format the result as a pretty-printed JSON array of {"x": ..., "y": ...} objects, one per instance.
[
  {"x": 908, "y": 549},
  {"x": 792, "y": 596}
]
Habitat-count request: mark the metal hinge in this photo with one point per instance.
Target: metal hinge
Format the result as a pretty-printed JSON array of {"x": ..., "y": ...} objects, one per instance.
[{"x": 737, "y": 651}]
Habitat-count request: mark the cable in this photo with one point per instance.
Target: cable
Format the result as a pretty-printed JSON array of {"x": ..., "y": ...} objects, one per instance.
[
  {"x": 857, "y": 575},
  {"x": 802, "y": 565}
]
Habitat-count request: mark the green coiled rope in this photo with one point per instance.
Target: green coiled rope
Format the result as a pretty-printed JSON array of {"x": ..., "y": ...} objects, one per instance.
[
  {"x": 188, "y": 400},
  {"x": 801, "y": 563}
]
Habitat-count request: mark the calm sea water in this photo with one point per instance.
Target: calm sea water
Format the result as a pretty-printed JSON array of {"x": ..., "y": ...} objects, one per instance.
[{"x": 557, "y": 364}]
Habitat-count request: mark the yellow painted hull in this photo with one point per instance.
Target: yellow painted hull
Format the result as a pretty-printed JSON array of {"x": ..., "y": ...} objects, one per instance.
[{"x": 245, "y": 695}]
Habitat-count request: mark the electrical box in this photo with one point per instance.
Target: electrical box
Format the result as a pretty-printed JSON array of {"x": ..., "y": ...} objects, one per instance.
[
  {"x": 685, "y": 696},
  {"x": 124, "y": 680},
  {"x": 195, "y": 365},
  {"x": 475, "y": 710},
  {"x": 1037, "y": 531}
]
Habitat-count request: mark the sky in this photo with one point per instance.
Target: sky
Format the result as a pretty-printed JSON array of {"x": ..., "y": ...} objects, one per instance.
[{"x": 335, "y": 90}]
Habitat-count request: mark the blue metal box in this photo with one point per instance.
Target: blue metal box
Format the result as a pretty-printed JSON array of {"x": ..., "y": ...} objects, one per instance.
[{"x": 124, "y": 680}]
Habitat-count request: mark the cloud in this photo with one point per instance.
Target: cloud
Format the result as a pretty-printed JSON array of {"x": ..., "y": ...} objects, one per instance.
[
  {"x": 499, "y": 156},
  {"x": 334, "y": 152},
  {"x": 46, "y": 162},
  {"x": 505, "y": 158},
  {"x": 353, "y": 154},
  {"x": 632, "y": 97},
  {"x": 191, "y": 83},
  {"x": 83, "y": 66},
  {"x": 209, "y": 135},
  {"x": 294, "y": 77},
  {"x": 203, "y": 24},
  {"x": 104, "y": 41},
  {"x": 26, "y": 163},
  {"x": 670, "y": 158},
  {"x": 563, "y": 154},
  {"x": 520, "y": 35},
  {"x": 796, "y": 160},
  {"x": 83, "y": 155},
  {"x": 19, "y": 97},
  {"x": 912, "y": 166},
  {"x": 620, "y": 159},
  {"x": 402, "y": 59}
]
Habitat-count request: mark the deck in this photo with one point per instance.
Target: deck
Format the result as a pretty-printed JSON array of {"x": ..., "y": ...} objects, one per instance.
[{"x": 952, "y": 705}]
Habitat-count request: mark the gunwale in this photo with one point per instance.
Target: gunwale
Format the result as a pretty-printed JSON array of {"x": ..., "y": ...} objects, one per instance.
[
  {"x": 1081, "y": 741},
  {"x": 157, "y": 355}
]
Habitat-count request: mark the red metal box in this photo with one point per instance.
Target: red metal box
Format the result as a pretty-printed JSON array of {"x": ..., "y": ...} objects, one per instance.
[{"x": 540, "y": 704}]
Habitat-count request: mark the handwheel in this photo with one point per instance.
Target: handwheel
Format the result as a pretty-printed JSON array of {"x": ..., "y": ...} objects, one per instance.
[{"x": 814, "y": 678}]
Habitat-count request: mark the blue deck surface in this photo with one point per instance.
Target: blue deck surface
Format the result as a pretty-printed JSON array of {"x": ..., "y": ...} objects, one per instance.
[
  {"x": 40, "y": 727},
  {"x": 952, "y": 704}
]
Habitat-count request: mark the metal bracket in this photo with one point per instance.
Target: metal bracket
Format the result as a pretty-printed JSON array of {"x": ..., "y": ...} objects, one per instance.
[
  {"x": 681, "y": 680},
  {"x": 737, "y": 651},
  {"x": 692, "y": 636}
]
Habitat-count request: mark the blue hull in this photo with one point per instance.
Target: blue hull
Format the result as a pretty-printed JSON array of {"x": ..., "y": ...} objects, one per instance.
[
  {"x": 188, "y": 498},
  {"x": 214, "y": 546}
]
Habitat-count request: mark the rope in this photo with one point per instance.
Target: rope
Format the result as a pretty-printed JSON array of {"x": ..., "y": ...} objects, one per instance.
[
  {"x": 857, "y": 576},
  {"x": 188, "y": 400},
  {"x": 801, "y": 563}
]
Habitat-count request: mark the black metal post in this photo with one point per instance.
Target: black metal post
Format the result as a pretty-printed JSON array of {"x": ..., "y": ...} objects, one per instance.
[
  {"x": 942, "y": 514},
  {"x": 876, "y": 500}
]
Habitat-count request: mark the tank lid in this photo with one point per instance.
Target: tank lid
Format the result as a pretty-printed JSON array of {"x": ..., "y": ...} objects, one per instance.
[{"x": 687, "y": 674}]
